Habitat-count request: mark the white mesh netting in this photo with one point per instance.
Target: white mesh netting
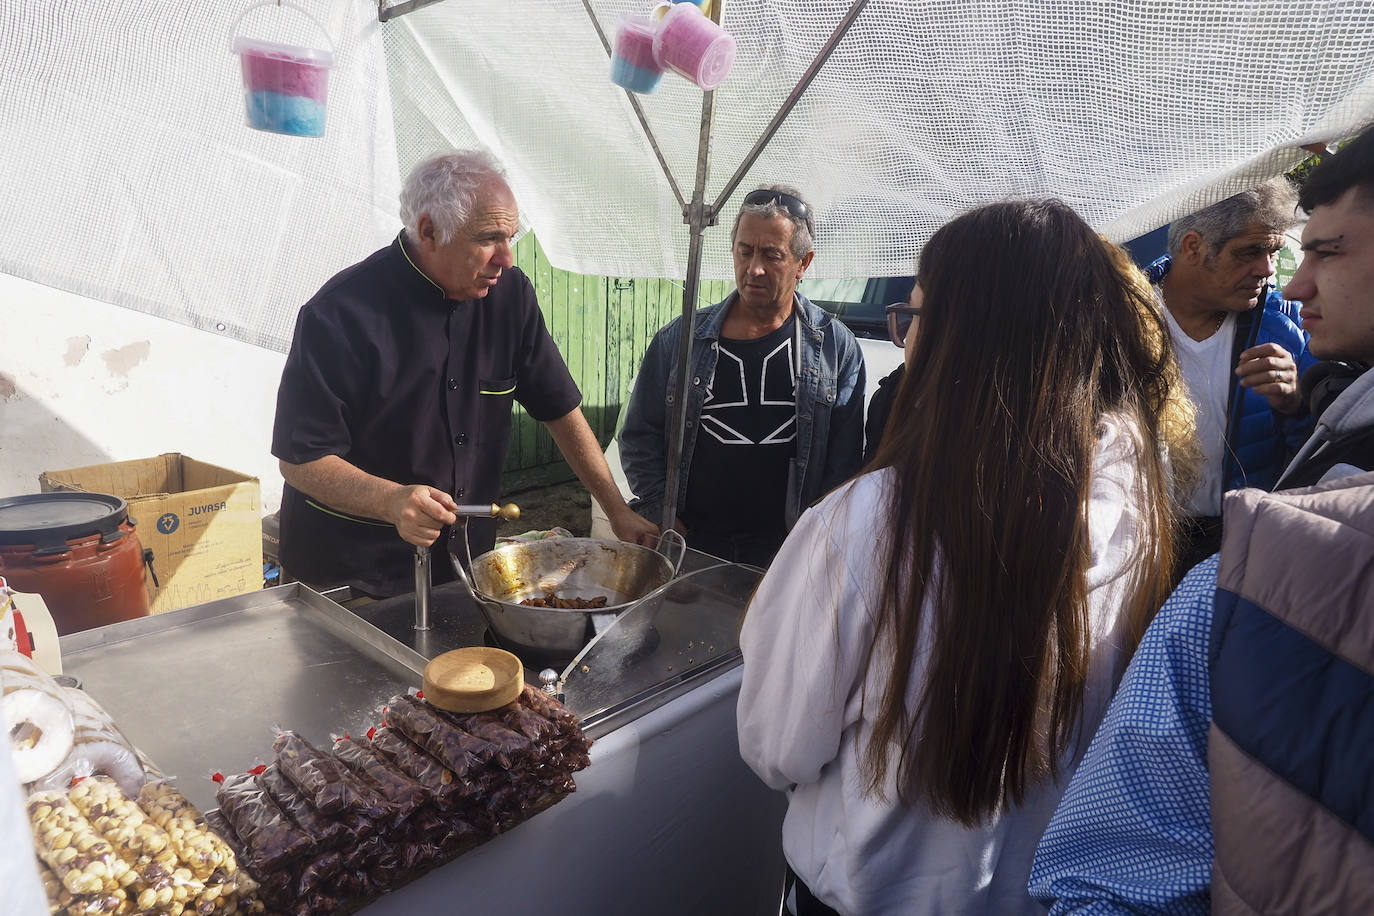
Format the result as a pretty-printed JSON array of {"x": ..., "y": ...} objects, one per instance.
[{"x": 131, "y": 177}]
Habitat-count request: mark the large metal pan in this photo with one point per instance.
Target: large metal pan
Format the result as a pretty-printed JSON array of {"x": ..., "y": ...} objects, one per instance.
[{"x": 574, "y": 568}]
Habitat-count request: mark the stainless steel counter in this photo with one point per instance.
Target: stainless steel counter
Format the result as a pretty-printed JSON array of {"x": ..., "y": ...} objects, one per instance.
[
  {"x": 653, "y": 652},
  {"x": 205, "y": 688}
]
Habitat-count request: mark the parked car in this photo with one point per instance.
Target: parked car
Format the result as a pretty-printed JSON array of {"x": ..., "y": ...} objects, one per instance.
[{"x": 860, "y": 303}]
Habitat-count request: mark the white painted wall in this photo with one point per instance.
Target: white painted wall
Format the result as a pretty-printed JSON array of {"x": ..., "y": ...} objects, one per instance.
[{"x": 84, "y": 382}]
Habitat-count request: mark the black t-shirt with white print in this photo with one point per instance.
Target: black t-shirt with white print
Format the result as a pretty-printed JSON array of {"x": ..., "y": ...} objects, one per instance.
[{"x": 746, "y": 437}]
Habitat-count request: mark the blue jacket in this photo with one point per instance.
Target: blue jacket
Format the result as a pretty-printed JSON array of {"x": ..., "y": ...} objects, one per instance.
[
  {"x": 1259, "y": 440},
  {"x": 830, "y": 409}
]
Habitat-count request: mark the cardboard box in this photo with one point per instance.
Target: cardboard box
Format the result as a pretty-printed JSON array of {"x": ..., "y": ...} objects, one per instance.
[{"x": 202, "y": 522}]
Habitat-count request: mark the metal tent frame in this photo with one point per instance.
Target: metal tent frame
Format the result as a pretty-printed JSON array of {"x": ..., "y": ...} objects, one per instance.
[{"x": 699, "y": 216}]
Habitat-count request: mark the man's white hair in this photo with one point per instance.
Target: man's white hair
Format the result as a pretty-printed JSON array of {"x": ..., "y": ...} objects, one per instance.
[
  {"x": 445, "y": 186},
  {"x": 1272, "y": 205}
]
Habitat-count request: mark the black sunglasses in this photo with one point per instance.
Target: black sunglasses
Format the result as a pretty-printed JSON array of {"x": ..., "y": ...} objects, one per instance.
[
  {"x": 899, "y": 318},
  {"x": 796, "y": 206}
]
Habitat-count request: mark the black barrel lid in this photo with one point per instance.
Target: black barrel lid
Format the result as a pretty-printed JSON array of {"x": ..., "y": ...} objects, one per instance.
[{"x": 50, "y": 520}]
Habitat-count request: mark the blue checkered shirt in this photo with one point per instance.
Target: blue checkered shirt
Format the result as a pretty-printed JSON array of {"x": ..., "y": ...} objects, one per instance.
[{"x": 1133, "y": 833}]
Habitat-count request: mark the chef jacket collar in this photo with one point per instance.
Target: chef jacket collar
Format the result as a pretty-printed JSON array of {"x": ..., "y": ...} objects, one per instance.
[{"x": 410, "y": 273}]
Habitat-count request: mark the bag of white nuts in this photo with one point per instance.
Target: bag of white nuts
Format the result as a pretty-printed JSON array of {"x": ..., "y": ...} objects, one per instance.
[{"x": 106, "y": 853}]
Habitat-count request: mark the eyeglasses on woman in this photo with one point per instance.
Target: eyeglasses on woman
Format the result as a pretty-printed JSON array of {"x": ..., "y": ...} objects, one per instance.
[{"x": 900, "y": 317}]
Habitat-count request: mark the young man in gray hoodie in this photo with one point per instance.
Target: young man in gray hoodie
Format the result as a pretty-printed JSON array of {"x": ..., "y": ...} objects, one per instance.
[{"x": 1335, "y": 284}]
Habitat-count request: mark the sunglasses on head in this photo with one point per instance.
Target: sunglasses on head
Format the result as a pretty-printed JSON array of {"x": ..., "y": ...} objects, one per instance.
[
  {"x": 793, "y": 205},
  {"x": 899, "y": 320}
]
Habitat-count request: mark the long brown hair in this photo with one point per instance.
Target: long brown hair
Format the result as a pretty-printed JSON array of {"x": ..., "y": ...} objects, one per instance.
[
  {"x": 1028, "y": 337},
  {"x": 1177, "y": 415}
]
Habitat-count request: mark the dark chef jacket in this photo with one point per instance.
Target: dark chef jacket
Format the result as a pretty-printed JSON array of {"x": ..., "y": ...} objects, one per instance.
[{"x": 394, "y": 378}]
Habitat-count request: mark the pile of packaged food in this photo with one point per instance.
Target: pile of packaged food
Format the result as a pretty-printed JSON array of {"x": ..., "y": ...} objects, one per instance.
[
  {"x": 111, "y": 833},
  {"x": 324, "y": 830}
]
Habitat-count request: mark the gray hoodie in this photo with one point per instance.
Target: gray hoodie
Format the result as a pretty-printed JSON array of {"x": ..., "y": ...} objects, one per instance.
[{"x": 1343, "y": 442}]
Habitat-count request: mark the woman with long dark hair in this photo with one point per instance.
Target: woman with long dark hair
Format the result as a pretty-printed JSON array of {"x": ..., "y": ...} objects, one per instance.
[{"x": 937, "y": 640}]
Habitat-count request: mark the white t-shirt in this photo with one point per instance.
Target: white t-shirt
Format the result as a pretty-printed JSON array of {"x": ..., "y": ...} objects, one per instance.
[{"x": 1207, "y": 370}]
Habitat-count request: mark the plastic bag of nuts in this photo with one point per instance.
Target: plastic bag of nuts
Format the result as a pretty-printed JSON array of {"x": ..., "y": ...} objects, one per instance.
[
  {"x": 62, "y": 902},
  {"x": 201, "y": 850},
  {"x": 162, "y": 884},
  {"x": 247, "y": 901},
  {"x": 196, "y": 845},
  {"x": 79, "y": 857}
]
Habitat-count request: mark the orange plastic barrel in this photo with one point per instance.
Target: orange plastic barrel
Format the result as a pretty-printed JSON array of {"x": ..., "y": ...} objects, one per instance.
[{"x": 79, "y": 551}]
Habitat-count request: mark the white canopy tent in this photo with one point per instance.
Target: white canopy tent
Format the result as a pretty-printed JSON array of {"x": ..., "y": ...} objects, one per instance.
[{"x": 131, "y": 178}]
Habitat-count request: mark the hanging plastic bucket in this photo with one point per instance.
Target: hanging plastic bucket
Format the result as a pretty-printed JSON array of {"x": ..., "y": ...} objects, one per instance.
[
  {"x": 285, "y": 87},
  {"x": 694, "y": 46},
  {"x": 632, "y": 62}
]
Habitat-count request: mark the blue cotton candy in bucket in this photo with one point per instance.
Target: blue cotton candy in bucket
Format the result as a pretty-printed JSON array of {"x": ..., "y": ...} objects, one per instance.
[
  {"x": 632, "y": 63},
  {"x": 285, "y": 87}
]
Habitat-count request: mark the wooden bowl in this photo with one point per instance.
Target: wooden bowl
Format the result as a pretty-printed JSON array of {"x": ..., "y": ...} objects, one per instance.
[{"x": 474, "y": 679}]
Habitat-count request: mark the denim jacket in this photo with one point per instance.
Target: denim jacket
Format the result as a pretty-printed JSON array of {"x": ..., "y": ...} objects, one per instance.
[{"x": 830, "y": 409}]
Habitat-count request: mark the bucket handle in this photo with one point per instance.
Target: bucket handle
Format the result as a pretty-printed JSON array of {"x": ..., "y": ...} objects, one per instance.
[
  {"x": 238, "y": 21},
  {"x": 674, "y": 541}
]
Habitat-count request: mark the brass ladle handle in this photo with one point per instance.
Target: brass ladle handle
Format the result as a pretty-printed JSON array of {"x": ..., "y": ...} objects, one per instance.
[{"x": 509, "y": 512}]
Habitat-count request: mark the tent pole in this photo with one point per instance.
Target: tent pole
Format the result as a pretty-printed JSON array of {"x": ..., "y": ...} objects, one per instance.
[
  {"x": 387, "y": 13},
  {"x": 790, "y": 102},
  {"x": 699, "y": 216}
]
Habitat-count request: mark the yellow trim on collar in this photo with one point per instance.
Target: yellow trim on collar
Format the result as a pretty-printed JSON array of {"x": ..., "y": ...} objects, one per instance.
[{"x": 400, "y": 238}]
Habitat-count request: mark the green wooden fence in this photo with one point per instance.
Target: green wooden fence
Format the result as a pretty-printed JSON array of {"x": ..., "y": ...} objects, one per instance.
[{"x": 602, "y": 326}]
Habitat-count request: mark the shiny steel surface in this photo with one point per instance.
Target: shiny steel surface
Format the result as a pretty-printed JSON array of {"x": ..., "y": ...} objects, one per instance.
[
  {"x": 204, "y": 688},
  {"x": 422, "y": 587},
  {"x": 585, "y": 568},
  {"x": 677, "y": 637}
]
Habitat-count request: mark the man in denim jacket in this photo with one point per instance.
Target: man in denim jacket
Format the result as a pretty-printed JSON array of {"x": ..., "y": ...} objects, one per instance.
[{"x": 775, "y": 410}]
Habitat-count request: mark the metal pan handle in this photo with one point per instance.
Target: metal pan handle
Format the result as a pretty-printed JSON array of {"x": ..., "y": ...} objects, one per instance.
[
  {"x": 462, "y": 574},
  {"x": 672, "y": 539}
]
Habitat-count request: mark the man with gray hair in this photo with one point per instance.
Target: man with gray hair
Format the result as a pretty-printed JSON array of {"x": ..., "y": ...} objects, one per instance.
[
  {"x": 1240, "y": 345},
  {"x": 395, "y": 399},
  {"x": 774, "y": 416}
]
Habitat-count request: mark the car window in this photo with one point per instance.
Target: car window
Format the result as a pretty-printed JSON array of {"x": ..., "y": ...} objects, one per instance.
[{"x": 859, "y": 303}]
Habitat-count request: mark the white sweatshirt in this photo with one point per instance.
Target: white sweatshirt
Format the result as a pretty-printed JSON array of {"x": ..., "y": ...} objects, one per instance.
[{"x": 804, "y": 640}]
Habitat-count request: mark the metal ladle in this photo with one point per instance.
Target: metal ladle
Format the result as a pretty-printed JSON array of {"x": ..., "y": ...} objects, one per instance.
[{"x": 509, "y": 512}]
